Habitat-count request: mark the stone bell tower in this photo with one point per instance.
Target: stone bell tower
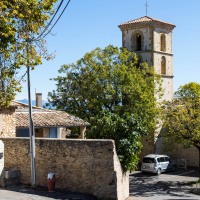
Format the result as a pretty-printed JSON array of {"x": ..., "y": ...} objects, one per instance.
[{"x": 151, "y": 39}]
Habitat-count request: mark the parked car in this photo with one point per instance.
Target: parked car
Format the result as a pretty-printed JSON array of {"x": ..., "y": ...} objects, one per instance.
[{"x": 154, "y": 163}]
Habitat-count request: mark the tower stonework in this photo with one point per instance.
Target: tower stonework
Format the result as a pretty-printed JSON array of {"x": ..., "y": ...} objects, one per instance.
[{"x": 151, "y": 39}]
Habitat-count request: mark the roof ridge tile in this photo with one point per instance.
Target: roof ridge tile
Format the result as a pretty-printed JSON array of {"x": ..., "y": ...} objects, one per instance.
[{"x": 144, "y": 19}]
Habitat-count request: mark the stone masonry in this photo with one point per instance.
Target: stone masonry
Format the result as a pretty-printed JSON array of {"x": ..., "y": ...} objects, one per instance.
[
  {"x": 1, "y": 160},
  {"x": 191, "y": 155},
  {"x": 86, "y": 166},
  {"x": 150, "y": 31},
  {"x": 7, "y": 122}
]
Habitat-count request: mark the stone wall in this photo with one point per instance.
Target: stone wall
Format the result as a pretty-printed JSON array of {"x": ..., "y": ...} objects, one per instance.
[
  {"x": 7, "y": 122},
  {"x": 168, "y": 36},
  {"x": 191, "y": 155},
  {"x": 86, "y": 166},
  {"x": 1, "y": 161},
  {"x": 167, "y": 79}
]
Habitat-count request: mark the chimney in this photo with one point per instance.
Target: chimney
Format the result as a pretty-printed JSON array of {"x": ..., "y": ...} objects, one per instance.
[{"x": 38, "y": 99}]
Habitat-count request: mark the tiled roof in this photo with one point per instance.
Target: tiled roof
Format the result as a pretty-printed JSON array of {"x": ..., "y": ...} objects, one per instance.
[
  {"x": 144, "y": 19},
  {"x": 45, "y": 118}
]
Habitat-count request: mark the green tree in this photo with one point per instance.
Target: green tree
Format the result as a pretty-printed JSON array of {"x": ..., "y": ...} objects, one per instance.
[
  {"x": 21, "y": 22},
  {"x": 115, "y": 93},
  {"x": 182, "y": 120}
]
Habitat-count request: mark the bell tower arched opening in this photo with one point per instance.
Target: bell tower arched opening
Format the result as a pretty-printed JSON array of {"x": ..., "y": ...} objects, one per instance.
[
  {"x": 163, "y": 65},
  {"x": 163, "y": 42},
  {"x": 138, "y": 42}
]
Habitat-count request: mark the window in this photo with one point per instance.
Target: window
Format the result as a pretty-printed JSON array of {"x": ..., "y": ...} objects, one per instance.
[
  {"x": 163, "y": 65},
  {"x": 38, "y": 132},
  {"x": 138, "y": 42},
  {"x": 53, "y": 133},
  {"x": 162, "y": 42},
  {"x": 22, "y": 132},
  {"x": 161, "y": 159},
  {"x": 148, "y": 160},
  {"x": 167, "y": 159}
]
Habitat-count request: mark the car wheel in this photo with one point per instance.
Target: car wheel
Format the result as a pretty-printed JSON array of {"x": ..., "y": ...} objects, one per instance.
[
  {"x": 158, "y": 171},
  {"x": 174, "y": 168}
]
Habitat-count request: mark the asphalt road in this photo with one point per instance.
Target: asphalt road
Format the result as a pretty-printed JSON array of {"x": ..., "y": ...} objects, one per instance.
[{"x": 167, "y": 186}]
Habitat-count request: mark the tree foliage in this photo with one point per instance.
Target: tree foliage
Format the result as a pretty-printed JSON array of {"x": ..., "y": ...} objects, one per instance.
[
  {"x": 115, "y": 93},
  {"x": 183, "y": 117},
  {"x": 21, "y": 21},
  {"x": 125, "y": 130}
]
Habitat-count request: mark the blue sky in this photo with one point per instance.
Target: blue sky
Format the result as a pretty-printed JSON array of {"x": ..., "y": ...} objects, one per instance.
[{"x": 87, "y": 24}]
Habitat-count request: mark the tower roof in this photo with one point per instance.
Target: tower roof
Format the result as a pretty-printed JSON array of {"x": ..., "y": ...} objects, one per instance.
[{"x": 145, "y": 21}]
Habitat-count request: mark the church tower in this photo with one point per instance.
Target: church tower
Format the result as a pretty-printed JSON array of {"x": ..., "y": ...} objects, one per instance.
[{"x": 151, "y": 39}]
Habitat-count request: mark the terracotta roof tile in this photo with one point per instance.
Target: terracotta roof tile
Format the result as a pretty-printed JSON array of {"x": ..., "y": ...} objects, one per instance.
[
  {"x": 45, "y": 118},
  {"x": 49, "y": 119},
  {"x": 144, "y": 19}
]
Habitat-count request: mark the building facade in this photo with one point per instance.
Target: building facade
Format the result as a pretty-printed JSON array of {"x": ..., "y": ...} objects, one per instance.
[
  {"x": 151, "y": 39},
  {"x": 14, "y": 122}
]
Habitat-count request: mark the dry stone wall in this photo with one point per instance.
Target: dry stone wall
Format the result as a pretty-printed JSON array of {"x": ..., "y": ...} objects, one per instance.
[{"x": 86, "y": 166}]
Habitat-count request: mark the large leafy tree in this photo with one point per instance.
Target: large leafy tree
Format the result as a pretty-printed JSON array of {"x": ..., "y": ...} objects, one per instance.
[
  {"x": 183, "y": 118},
  {"x": 115, "y": 93},
  {"x": 21, "y": 22}
]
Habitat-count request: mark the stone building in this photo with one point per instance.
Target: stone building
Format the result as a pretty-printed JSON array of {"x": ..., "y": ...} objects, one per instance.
[
  {"x": 14, "y": 122},
  {"x": 151, "y": 39}
]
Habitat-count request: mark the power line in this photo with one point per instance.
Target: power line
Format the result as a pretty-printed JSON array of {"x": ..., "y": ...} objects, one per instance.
[
  {"x": 50, "y": 20},
  {"x": 57, "y": 19}
]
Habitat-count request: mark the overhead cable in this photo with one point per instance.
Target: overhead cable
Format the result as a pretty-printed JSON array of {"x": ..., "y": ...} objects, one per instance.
[
  {"x": 50, "y": 20},
  {"x": 57, "y": 19}
]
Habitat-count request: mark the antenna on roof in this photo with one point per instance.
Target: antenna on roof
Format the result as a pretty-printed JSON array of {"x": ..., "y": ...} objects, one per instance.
[{"x": 146, "y": 7}]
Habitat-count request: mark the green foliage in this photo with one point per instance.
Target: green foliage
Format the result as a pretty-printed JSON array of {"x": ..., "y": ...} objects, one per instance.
[
  {"x": 125, "y": 130},
  {"x": 21, "y": 22},
  {"x": 115, "y": 93},
  {"x": 182, "y": 119}
]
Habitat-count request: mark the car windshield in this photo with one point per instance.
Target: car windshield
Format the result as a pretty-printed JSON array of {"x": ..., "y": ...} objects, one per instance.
[{"x": 148, "y": 160}]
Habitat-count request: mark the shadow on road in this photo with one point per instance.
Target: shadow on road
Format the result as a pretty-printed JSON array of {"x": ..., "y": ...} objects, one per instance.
[
  {"x": 42, "y": 192},
  {"x": 173, "y": 184}
]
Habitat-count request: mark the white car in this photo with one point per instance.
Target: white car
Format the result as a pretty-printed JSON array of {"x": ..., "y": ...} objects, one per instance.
[{"x": 154, "y": 163}]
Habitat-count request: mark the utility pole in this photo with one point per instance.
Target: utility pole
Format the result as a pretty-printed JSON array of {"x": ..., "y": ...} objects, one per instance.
[{"x": 31, "y": 126}]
